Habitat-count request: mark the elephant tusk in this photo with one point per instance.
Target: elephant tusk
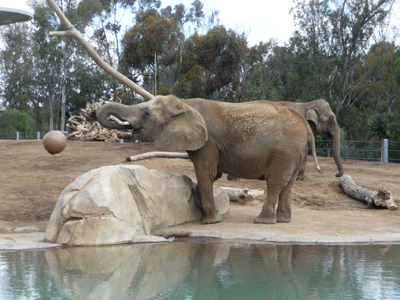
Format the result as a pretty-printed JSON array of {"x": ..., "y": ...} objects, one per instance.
[{"x": 118, "y": 121}]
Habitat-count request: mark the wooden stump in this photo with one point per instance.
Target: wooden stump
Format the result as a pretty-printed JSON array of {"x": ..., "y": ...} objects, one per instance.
[{"x": 381, "y": 199}]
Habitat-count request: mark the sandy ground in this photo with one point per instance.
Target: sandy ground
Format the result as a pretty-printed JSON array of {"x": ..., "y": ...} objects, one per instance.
[{"x": 32, "y": 179}]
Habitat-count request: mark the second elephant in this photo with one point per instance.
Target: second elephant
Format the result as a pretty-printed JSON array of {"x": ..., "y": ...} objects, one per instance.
[{"x": 322, "y": 121}]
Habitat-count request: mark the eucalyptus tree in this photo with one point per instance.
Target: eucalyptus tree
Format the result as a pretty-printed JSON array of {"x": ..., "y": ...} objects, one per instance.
[
  {"x": 63, "y": 70},
  {"x": 256, "y": 76},
  {"x": 336, "y": 33},
  {"x": 211, "y": 65},
  {"x": 16, "y": 63},
  {"x": 48, "y": 54},
  {"x": 375, "y": 85},
  {"x": 153, "y": 49}
]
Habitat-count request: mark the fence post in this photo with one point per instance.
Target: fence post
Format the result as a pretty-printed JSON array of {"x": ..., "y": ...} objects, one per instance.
[
  {"x": 385, "y": 151},
  {"x": 17, "y": 138},
  {"x": 38, "y": 135}
]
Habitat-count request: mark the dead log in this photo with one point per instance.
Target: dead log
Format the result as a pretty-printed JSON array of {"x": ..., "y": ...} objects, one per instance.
[
  {"x": 158, "y": 155},
  {"x": 381, "y": 199},
  {"x": 242, "y": 196}
]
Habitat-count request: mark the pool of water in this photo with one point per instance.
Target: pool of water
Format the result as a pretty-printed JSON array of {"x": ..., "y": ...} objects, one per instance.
[{"x": 203, "y": 270}]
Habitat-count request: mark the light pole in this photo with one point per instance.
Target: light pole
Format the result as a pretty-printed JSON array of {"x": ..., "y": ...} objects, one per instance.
[{"x": 12, "y": 15}]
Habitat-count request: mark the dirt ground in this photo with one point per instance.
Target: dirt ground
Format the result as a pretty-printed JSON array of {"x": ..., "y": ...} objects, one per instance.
[{"x": 32, "y": 180}]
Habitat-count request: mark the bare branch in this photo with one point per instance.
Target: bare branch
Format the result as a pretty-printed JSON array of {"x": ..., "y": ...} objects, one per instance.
[{"x": 72, "y": 32}]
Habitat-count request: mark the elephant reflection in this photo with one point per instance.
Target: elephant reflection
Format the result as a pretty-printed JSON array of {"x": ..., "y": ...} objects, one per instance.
[{"x": 223, "y": 268}]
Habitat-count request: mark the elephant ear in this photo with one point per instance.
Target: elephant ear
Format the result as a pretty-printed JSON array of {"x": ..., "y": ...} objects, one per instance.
[
  {"x": 185, "y": 129},
  {"x": 312, "y": 115}
]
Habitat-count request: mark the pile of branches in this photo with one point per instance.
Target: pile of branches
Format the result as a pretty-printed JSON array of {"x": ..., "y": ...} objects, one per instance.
[{"x": 86, "y": 128}]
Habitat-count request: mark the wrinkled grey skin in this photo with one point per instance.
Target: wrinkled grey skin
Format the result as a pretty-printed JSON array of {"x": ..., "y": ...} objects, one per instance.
[
  {"x": 256, "y": 140},
  {"x": 322, "y": 120}
]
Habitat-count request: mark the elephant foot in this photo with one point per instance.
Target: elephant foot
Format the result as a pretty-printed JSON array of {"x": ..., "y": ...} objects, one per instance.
[
  {"x": 284, "y": 217},
  {"x": 301, "y": 177},
  {"x": 262, "y": 219},
  {"x": 211, "y": 219}
]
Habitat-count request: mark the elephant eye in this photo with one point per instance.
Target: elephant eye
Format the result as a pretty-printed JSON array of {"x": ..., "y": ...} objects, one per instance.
[{"x": 146, "y": 113}]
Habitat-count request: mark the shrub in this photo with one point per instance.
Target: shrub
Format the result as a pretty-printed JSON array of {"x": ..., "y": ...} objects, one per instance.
[{"x": 14, "y": 120}]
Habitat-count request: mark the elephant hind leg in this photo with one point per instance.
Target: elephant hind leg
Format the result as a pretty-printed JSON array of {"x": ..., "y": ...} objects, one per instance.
[
  {"x": 269, "y": 209},
  {"x": 301, "y": 176},
  {"x": 284, "y": 210},
  {"x": 277, "y": 206}
]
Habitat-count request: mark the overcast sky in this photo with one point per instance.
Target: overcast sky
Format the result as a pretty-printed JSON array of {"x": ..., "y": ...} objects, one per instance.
[{"x": 261, "y": 20}]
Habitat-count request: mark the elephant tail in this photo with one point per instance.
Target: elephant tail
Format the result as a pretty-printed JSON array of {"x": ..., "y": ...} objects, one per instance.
[{"x": 311, "y": 143}]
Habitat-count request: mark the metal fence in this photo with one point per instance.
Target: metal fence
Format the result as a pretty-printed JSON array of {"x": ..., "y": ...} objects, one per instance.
[
  {"x": 357, "y": 150},
  {"x": 387, "y": 151},
  {"x": 21, "y": 135}
]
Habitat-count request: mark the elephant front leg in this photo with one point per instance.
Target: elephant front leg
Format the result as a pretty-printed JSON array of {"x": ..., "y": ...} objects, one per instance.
[
  {"x": 207, "y": 202},
  {"x": 205, "y": 166}
]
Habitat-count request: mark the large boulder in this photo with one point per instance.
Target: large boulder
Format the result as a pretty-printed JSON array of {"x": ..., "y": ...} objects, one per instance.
[{"x": 123, "y": 204}]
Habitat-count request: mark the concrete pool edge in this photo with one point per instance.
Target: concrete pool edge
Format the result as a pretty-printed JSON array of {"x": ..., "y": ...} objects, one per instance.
[
  {"x": 35, "y": 240},
  {"x": 307, "y": 227}
]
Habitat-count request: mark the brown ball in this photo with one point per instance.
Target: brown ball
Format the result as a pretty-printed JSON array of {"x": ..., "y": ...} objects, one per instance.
[{"x": 54, "y": 142}]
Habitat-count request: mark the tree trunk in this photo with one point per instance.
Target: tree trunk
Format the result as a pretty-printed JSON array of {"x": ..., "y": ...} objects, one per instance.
[{"x": 51, "y": 108}]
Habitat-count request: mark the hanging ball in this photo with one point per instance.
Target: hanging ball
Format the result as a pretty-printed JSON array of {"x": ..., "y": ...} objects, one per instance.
[{"x": 54, "y": 142}]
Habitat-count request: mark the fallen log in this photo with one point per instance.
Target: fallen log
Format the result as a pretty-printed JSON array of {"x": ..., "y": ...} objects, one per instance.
[
  {"x": 157, "y": 155},
  {"x": 242, "y": 196},
  {"x": 381, "y": 199}
]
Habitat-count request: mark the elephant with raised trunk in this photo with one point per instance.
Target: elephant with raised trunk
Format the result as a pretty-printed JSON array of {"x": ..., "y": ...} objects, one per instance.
[
  {"x": 322, "y": 120},
  {"x": 253, "y": 140}
]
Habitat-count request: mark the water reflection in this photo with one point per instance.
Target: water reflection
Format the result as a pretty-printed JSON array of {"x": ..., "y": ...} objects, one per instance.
[{"x": 207, "y": 270}]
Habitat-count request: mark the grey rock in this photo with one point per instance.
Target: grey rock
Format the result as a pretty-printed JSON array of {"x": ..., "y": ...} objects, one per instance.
[{"x": 123, "y": 203}]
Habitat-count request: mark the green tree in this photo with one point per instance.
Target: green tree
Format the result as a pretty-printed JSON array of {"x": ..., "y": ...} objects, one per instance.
[
  {"x": 257, "y": 77},
  {"x": 48, "y": 54},
  {"x": 336, "y": 34},
  {"x": 397, "y": 71},
  {"x": 392, "y": 126},
  {"x": 375, "y": 85},
  {"x": 143, "y": 43},
  {"x": 15, "y": 120},
  {"x": 63, "y": 70},
  {"x": 153, "y": 49},
  {"x": 219, "y": 53},
  {"x": 17, "y": 71}
]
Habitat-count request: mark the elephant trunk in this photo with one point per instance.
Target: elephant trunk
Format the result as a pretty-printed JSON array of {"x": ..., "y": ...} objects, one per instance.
[
  {"x": 335, "y": 139},
  {"x": 120, "y": 111}
]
